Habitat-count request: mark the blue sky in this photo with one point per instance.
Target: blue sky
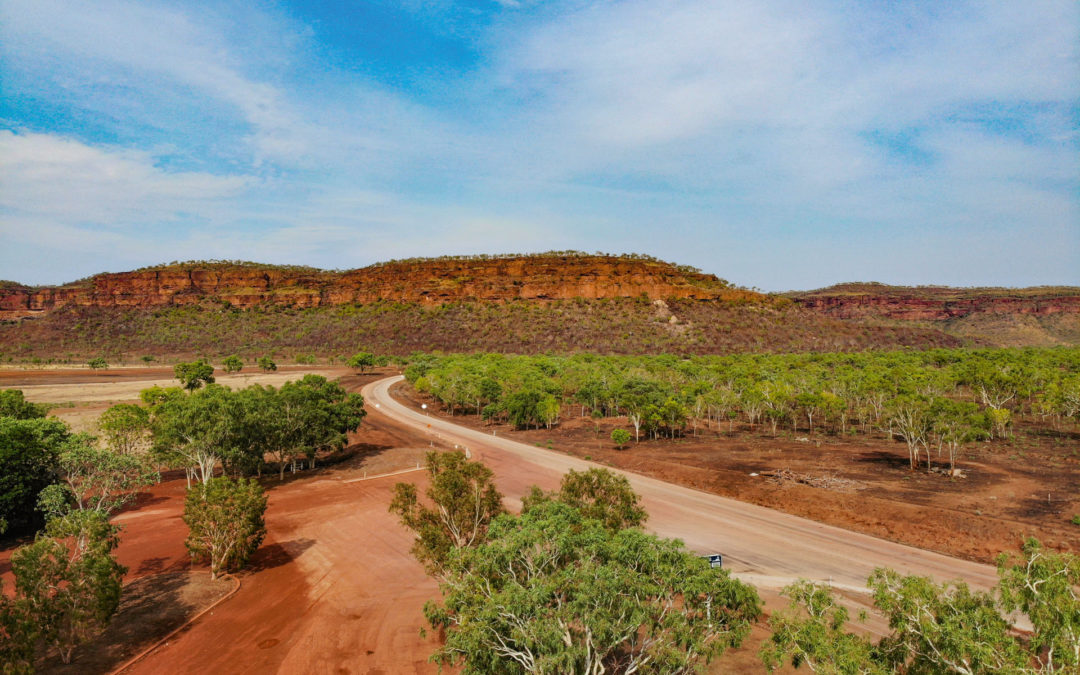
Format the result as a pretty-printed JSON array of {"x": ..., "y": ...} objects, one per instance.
[{"x": 783, "y": 145}]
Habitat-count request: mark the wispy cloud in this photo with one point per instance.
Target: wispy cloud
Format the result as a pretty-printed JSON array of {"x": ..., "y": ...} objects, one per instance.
[{"x": 755, "y": 139}]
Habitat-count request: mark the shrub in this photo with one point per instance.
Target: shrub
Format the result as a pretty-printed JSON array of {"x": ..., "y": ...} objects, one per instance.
[
  {"x": 97, "y": 363},
  {"x": 621, "y": 437}
]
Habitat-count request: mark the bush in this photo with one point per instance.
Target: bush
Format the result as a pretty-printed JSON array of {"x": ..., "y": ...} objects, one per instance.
[
  {"x": 97, "y": 363},
  {"x": 225, "y": 519},
  {"x": 14, "y": 404},
  {"x": 266, "y": 364},
  {"x": 621, "y": 437},
  {"x": 29, "y": 462}
]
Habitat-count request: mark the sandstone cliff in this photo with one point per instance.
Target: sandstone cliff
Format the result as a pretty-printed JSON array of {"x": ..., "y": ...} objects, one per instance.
[
  {"x": 861, "y": 301},
  {"x": 424, "y": 281}
]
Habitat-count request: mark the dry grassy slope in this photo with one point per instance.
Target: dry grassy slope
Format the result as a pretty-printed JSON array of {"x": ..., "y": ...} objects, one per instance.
[
  {"x": 620, "y": 325},
  {"x": 559, "y": 301}
]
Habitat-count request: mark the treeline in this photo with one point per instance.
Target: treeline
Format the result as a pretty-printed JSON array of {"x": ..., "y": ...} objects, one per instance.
[
  {"x": 939, "y": 398},
  {"x": 245, "y": 430}
]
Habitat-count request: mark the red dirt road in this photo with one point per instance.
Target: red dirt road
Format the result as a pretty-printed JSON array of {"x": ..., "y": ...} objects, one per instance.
[{"x": 765, "y": 547}]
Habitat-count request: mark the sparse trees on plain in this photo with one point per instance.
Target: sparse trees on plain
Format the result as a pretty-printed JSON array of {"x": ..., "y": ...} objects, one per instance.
[
  {"x": 97, "y": 363},
  {"x": 266, "y": 364},
  {"x": 232, "y": 364}
]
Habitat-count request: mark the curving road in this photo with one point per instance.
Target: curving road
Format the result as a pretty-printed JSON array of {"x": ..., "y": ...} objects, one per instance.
[{"x": 761, "y": 546}]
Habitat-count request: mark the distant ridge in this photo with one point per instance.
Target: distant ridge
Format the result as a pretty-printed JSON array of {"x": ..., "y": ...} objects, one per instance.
[
  {"x": 556, "y": 275},
  {"x": 560, "y": 301}
]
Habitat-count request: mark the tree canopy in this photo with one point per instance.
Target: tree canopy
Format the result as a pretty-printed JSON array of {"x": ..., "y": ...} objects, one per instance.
[
  {"x": 554, "y": 591},
  {"x": 463, "y": 499},
  {"x": 194, "y": 374}
]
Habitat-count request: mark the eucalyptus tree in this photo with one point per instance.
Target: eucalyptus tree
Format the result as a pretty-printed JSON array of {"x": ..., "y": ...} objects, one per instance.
[
  {"x": 552, "y": 590},
  {"x": 463, "y": 502}
]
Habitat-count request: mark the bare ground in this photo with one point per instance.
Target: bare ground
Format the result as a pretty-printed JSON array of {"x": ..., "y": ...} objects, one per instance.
[{"x": 1027, "y": 486}]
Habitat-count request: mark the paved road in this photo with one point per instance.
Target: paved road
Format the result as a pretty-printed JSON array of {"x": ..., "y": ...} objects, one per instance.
[{"x": 762, "y": 546}]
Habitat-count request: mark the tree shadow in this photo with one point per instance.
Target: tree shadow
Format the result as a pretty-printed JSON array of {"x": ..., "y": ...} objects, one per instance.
[
  {"x": 277, "y": 554},
  {"x": 150, "y": 608},
  {"x": 887, "y": 459},
  {"x": 141, "y": 501}
]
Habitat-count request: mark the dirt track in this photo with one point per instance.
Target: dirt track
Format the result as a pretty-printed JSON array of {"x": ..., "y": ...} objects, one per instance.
[{"x": 765, "y": 547}]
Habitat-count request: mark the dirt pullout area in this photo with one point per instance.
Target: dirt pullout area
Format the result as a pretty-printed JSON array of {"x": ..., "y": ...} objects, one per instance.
[
  {"x": 1011, "y": 490},
  {"x": 87, "y": 387}
]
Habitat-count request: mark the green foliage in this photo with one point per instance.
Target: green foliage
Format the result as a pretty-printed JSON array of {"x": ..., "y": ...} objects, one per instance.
[
  {"x": 18, "y": 635},
  {"x": 553, "y": 591},
  {"x": 299, "y": 419},
  {"x": 240, "y": 428},
  {"x": 361, "y": 360},
  {"x": 146, "y": 358},
  {"x": 29, "y": 463},
  {"x": 1045, "y": 586},
  {"x": 14, "y": 404},
  {"x": 232, "y": 364},
  {"x": 1075, "y": 519},
  {"x": 97, "y": 363},
  {"x": 95, "y": 479},
  {"x": 126, "y": 428},
  {"x": 266, "y": 364},
  {"x": 194, "y": 374},
  {"x": 225, "y": 521},
  {"x": 598, "y": 494},
  {"x": 941, "y": 628},
  {"x": 195, "y": 431},
  {"x": 68, "y": 581},
  {"x": 463, "y": 503},
  {"x": 811, "y": 632},
  {"x": 620, "y": 437}
]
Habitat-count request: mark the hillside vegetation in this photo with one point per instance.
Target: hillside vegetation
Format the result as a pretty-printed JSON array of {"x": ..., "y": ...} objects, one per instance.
[{"x": 615, "y": 326}]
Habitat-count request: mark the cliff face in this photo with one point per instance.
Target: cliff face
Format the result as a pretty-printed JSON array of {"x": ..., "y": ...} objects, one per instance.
[
  {"x": 938, "y": 304},
  {"x": 424, "y": 281}
]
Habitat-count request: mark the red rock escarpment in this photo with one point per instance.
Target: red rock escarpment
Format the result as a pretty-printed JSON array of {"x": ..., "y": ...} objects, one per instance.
[
  {"x": 927, "y": 307},
  {"x": 424, "y": 281}
]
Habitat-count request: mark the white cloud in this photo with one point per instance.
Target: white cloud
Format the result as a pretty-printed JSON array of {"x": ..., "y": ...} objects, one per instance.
[
  {"x": 696, "y": 127},
  {"x": 67, "y": 182}
]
